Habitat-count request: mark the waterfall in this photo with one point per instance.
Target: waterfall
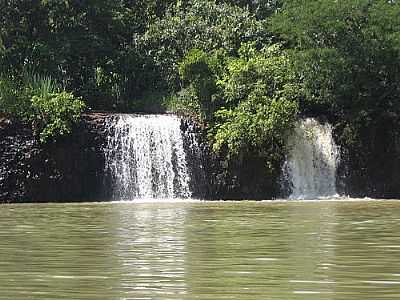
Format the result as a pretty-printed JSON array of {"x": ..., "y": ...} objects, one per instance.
[
  {"x": 145, "y": 157},
  {"x": 310, "y": 167}
]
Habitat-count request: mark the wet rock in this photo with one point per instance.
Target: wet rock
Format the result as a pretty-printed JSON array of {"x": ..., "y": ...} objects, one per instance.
[
  {"x": 213, "y": 176},
  {"x": 70, "y": 169}
]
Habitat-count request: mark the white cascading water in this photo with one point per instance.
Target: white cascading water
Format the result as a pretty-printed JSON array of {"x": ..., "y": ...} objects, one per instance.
[
  {"x": 312, "y": 161},
  {"x": 145, "y": 157}
]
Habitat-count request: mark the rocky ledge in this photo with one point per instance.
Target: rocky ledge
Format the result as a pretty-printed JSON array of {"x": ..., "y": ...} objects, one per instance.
[{"x": 70, "y": 169}]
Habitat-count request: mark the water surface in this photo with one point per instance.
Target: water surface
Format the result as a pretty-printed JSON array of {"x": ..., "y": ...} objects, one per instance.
[{"x": 346, "y": 250}]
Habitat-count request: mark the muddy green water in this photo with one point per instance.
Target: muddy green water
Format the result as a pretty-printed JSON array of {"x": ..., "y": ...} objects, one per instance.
[{"x": 346, "y": 250}]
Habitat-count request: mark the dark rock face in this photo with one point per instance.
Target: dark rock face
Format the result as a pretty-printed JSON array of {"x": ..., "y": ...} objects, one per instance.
[
  {"x": 197, "y": 157},
  {"x": 372, "y": 170},
  {"x": 69, "y": 170},
  {"x": 215, "y": 177},
  {"x": 243, "y": 179}
]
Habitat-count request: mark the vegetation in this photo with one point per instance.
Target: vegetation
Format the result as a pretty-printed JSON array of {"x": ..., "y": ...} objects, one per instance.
[
  {"x": 246, "y": 68},
  {"x": 347, "y": 56},
  {"x": 40, "y": 101},
  {"x": 250, "y": 100}
]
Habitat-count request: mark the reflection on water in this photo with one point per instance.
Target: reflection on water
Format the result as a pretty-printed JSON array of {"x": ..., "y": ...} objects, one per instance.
[{"x": 248, "y": 250}]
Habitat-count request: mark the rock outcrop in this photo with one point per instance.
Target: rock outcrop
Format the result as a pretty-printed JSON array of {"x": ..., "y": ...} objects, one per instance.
[{"x": 70, "y": 169}]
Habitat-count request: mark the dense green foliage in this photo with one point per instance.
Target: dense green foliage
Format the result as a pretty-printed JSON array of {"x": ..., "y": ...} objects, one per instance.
[
  {"x": 348, "y": 58},
  {"x": 41, "y": 102},
  {"x": 55, "y": 113},
  {"x": 246, "y": 68},
  {"x": 199, "y": 24},
  {"x": 261, "y": 97},
  {"x": 251, "y": 100}
]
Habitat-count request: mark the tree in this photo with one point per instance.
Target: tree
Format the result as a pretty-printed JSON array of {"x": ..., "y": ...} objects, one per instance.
[
  {"x": 261, "y": 95},
  {"x": 254, "y": 97},
  {"x": 200, "y": 24},
  {"x": 87, "y": 46},
  {"x": 347, "y": 56}
]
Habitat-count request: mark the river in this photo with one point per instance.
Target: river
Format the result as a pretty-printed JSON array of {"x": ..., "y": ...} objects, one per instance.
[{"x": 340, "y": 249}]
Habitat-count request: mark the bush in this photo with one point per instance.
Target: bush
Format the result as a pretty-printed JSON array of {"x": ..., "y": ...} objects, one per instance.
[
  {"x": 200, "y": 70},
  {"x": 55, "y": 113},
  {"x": 250, "y": 101},
  {"x": 14, "y": 100},
  {"x": 40, "y": 101},
  {"x": 185, "y": 103},
  {"x": 149, "y": 102}
]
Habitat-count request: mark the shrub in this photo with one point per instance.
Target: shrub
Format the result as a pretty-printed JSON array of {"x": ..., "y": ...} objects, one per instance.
[
  {"x": 184, "y": 103},
  {"x": 250, "y": 100},
  {"x": 55, "y": 113},
  {"x": 14, "y": 100},
  {"x": 40, "y": 101}
]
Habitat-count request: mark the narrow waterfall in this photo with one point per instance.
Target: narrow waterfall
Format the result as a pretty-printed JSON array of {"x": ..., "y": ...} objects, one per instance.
[
  {"x": 145, "y": 157},
  {"x": 310, "y": 168}
]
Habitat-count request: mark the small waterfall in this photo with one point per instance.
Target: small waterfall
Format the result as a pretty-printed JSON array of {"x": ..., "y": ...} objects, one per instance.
[
  {"x": 310, "y": 168},
  {"x": 145, "y": 157}
]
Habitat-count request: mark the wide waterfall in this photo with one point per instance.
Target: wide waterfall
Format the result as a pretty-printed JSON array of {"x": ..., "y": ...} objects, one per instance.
[
  {"x": 310, "y": 168},
  {"x": 145, "y": 157}
]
